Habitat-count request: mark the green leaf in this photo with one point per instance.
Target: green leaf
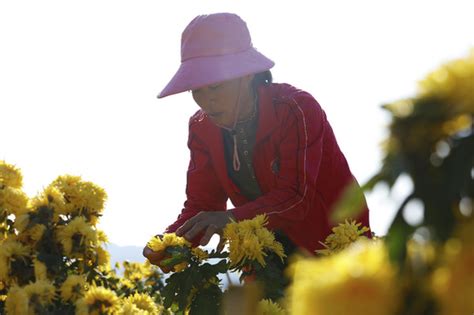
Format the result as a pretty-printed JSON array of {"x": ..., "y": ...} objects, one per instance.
[
  {"x": 350, "y": 205},
  {"x": 207, "y": 301}
]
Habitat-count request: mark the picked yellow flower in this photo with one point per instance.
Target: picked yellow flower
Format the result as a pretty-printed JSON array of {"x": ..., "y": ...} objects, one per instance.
[{"x": 157, "y": 244}]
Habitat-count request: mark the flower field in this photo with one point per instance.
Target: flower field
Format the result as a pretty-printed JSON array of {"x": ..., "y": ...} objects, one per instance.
[{"x": 53, "y": 258}]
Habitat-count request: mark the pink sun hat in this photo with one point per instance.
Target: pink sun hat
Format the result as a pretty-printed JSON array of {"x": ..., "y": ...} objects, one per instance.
[{"x": 215, "y": 48}]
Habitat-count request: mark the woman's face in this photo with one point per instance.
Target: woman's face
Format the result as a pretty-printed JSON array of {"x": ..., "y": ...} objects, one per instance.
[{"x": 219, "y": 101}]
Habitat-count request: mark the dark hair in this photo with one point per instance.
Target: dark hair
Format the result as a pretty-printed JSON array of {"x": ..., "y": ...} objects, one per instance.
[{"x": 262, "y": 78}]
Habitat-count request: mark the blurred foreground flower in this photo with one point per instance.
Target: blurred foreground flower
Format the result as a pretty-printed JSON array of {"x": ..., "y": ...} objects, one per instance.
[
  {"x": 453, "y": 280},
  {"x": 357, "y": 280}
]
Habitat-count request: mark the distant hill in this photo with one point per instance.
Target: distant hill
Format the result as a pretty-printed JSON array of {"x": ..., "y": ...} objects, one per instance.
[{"x": 122, "y": 253}]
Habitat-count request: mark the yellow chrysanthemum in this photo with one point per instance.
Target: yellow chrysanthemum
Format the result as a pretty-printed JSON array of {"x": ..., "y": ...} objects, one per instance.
[
  {"x": 98, "y": 300},
  {"x": 77, "y": 227},
  {"x": 357, "y": 280},
  {"x": 169, "y": 239},
  {"x": 199, "y": 253},
  {"x": 42, "y": 292},
  {"x": 73, "y": 288},
  {"x": 17, "y": 301},
  {"x": 10, "y": 175},
  {"x": 342, "y": 236},
  {"x": 10, "y": 251},
  {"x": 41, "y": 271},
  {"x": 81, "y": 196},
  {"x": 267, "y": 307},
  {"x": 140, "y": 304},
  {"x": 250, "y": 240},
  {"x": 13, "y": 200},
  {"x": 52, "y": 198},
  {"x": 453, "y": 280}
]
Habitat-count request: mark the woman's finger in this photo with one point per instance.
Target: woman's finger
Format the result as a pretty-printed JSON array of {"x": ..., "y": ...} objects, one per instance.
[
  {"x": 210, "y": 231},
  {"x": 195, "y": 230},
  {"x": 183, "y": 229}
]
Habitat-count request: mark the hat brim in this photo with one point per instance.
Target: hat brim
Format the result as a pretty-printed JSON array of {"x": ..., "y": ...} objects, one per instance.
[{"x": 198, "y": 72}]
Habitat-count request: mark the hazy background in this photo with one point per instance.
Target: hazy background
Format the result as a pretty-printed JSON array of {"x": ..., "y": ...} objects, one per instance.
[{"x": 79, "y": 79}]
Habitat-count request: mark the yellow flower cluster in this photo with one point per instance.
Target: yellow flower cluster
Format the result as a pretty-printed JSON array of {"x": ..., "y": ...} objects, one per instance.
[
  {"x": 80, "y": 196},
  {"x": 453, "y": 280},
  {"x": 359, "y": 280},
  {"x": 98, "y": 300},
  {"x": 249, "y": 240},
  {"x": 59, "y": 225},
  {"x": 10, "y": 175},
  {"x": 157, "y": 243},
  {"x": 342, "y": 236}
]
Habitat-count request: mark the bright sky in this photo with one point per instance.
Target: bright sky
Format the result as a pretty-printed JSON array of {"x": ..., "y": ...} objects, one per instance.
[{"x": 79, "y": 79}]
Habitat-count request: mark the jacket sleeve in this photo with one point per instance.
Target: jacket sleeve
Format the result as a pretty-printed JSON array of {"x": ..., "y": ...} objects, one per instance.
[
  {"x": 300, "y": 153},
  {"x": 203, "y": 189}
]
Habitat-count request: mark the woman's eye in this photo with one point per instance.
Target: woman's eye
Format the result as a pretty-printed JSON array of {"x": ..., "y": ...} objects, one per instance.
[{"x": 214, "y": 86}]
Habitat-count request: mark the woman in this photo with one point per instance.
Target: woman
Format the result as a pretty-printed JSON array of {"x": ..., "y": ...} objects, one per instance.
[{"x": 268, "y": 147}]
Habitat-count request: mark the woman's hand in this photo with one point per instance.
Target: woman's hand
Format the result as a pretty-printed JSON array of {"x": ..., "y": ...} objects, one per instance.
[
  {"x": 156, "y": 258},
  {"x": 205, "y": 221}
]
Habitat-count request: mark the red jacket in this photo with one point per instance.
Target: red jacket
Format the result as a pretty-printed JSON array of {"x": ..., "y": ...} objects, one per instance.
[{"x": 298, "y": 164}]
